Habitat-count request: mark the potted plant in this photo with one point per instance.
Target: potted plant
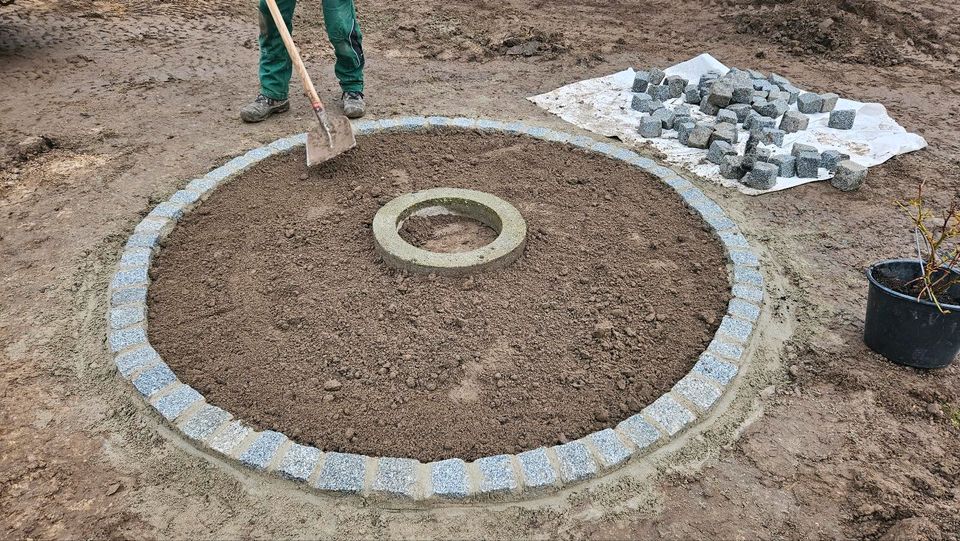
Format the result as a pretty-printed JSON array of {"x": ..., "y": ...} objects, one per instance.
[{"x": 913, "y": 305}]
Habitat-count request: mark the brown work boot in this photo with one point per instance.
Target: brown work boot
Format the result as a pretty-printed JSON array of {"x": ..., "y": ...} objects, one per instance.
[
  {"x": 353, "y": 106},
  {"x": 262, "y": 107}
]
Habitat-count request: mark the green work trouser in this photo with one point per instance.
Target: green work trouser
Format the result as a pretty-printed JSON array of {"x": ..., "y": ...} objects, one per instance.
[{"x": 340, "y": 18}]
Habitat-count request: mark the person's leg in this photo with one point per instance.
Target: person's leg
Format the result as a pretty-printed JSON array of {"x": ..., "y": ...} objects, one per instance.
[
  {"x": 275, "y": 65},
  {"x": 343, "y": 29}
]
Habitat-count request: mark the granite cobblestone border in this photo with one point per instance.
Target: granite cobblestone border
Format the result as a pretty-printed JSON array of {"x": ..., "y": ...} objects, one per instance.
[{"x": 495, "y": 477}]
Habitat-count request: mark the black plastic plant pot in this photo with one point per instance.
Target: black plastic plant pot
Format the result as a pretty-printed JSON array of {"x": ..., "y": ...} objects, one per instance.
[{"x": 906, "y": 330}]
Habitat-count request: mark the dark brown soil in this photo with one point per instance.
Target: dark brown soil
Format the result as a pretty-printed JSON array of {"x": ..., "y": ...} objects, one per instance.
[
  {"x": 446, "y": 233},
  {"x": 946, "y": 289},
  {"x": 270, "y": 301}
]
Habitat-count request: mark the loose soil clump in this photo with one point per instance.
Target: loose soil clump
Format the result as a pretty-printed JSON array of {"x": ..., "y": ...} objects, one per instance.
[{"x": 270, "y": 300}]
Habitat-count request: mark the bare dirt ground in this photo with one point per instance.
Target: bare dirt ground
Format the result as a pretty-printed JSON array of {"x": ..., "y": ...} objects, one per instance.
[{"x": 136, "y": 98}]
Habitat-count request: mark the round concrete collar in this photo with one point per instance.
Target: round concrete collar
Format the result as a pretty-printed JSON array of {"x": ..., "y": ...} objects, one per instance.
[
  {"x": 486, "y": 208},
  {"x": 495, "y": 477}
]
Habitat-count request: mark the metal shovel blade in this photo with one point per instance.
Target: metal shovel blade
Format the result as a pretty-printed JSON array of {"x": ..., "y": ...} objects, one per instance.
[{"x": 320, "y": 148}]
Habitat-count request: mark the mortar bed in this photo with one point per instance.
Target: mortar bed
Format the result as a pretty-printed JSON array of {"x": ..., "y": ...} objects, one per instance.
[{"x": 270, "y": 301}]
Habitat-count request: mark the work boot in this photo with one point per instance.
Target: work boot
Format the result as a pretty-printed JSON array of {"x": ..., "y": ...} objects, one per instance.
[
  {"x": 262, "y": 107},
  {"x": 353, "y": 106}
]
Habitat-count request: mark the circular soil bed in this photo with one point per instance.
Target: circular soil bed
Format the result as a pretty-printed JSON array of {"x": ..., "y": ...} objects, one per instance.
[{"x": 270, "y": 300}]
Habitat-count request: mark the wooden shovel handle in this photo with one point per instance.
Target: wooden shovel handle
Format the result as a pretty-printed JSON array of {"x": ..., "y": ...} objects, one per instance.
[{"x": 295, "y": 56}]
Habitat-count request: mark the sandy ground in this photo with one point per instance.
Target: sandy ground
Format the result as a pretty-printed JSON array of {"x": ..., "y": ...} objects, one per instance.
[{"x": 139, "y": 97}]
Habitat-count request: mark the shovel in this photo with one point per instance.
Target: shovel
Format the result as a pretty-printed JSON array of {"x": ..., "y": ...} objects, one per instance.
[{"x": 334, "y": 134}]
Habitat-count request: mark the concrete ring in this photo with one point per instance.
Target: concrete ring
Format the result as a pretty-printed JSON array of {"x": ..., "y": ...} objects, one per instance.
[{"x": 486, "y": 208}]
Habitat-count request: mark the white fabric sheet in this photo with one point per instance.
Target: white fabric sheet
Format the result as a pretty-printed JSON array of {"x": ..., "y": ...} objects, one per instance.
[{"x": 602, "y": 106}]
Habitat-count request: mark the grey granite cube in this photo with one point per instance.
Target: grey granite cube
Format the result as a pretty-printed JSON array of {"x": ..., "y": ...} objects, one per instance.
[
  {"x": 230, "y": 437},
  {"x": 298, "y": 462},
  {"x": 640, "y": 432},
  {"x": 724, "y": 132},
  {"x": 842, "y": 119},
  {"x": 708, "y": 108},
  {"x": 202, "y": 424},
  {"x": 830, "y": 159},
  {"x": 786, "y": 163},
  {"x": 794, "y": 121},
  {"x": 771, "y": 109},
  {"x": 131, "y": 361},
  {"x": 666, "y": 117},
  {"x": 496, "y": 474},
  {"x": 154, "y": 379},
  {"x": 772, "y": 136},
  {"x": 611, "y": 450},
  {"x": 718, "y": 150},
  {"x": 683, "y": 130},
  {"x": 792, "y": 93},
  {"x": 135, "y": 276},
  {"x": 536, "y": 469},
  {"x": 763, "y": 176},
  {"x": 659, "y": 92},
  {"x": 741, "y": 110},
  {"x": 125, "y": 316},
  {"x": 735, "y": 329},
  {"x": 676, "y": 84},
  {"x": 723, "y": 348},
  {"x": 800, "y": 147},
  {"x": 726, "y": 115},
  {"x": 449, "y": 478},
  {"x": 343, "y": 473},
  {"x": 576, "y": 464},
  {"x": 828, "y": 102},
  {"x": 762, "y": 122},
  {"x": 809, "y": 103},
  {"x": 749, "y": 293},
  {"x": 127, "y": 338},
  {"x": 656, "y": 75},
  {"x": 731, "y": 167},
  {"x": 755, "y": 156},
  {"x": 185, "y": 197},
  {"x": 700, "y": 136},
  {"x": 650, "y": 127},
  {"x": 130, "y": 295},
  {"x": 721, "y": 94},
  {"x": 641, "y": 80},
  {"x": 143, "y": 240},
  {"x": 777, "y": 94},
  {"x": 742, "y": 94},
  {"x": 747, "y": 276},
  {"x": 641, "y": 102},
  {"x": 697, "y": 391},
  {"x": 691, "y": 94},
  {"x": 720, "y": 371},
  {"x": 849, "y": 176},
  {"x": 808, "y": 164},
  {"x": 395, "y": 477},
  {"x": 650, "y": 106},
  {"x": 669, "y": 414},
  {"x": 166, "y": 209},
  {"x": 176, "y": 402},
  {"x": 260, "y": 453},
  {"x": 136, "y": 257},
  {"x": 738, "y": 307}
]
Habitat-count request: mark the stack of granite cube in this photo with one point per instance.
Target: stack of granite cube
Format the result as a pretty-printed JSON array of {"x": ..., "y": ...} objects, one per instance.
[{"x": 760, "y": 105}]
